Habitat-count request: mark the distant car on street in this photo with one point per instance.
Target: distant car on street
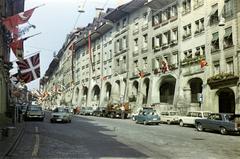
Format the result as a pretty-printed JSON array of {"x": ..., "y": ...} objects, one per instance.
[
  {"x": 99, "y": 112},
  {"x": 191, "y": 116},
  {"x": 148, "y": 117},
  {"x": 134, "y": 114},
  {"x": 34, "y": 112},
  {"x": 170, "y": 117},
  {"x": 220, "y": 122},
  {"x": 61, "y": 114}
]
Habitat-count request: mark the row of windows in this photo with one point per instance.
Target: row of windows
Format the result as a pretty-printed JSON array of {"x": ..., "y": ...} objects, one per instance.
[
  {"x": 227, "y": 40},
  {"x": 229, "y": 69}
]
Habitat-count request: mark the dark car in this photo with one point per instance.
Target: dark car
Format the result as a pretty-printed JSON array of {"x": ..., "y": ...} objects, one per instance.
[
  {"x": 34, "y": 112},
  {"x": 220, "y": 122},
  {"x": 100, "y": 112},
  {"x": 148, "y": 117}
]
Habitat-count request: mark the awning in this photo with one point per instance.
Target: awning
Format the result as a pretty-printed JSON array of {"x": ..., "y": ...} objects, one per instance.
[
  {"x": 159, "y": 4},
  {"x": 214, "y": 10},
  {"x": 228, "y": 33},
  {"x": 215, "y": 37}
]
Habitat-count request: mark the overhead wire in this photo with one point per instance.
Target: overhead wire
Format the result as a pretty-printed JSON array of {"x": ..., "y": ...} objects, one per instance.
[{"x": 84, "y": 3}]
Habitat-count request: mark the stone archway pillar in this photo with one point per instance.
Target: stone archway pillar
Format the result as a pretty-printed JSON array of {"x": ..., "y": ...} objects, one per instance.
[
  {"x": 237, "y": 99},
  {"x": 187, "y": 94},
  {"x": 154, "y": 91}
]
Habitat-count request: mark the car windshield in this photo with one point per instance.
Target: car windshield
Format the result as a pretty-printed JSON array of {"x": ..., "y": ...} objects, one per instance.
[
  {"x": 34, "y": 108},
  {"x": 61, "y": 110},
  {"x": 206, "y": 114},
  {"x": 232, "y": 117}
]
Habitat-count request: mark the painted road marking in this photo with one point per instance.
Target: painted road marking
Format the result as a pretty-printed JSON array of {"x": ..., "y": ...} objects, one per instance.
[{"x": 36, "y": 146}]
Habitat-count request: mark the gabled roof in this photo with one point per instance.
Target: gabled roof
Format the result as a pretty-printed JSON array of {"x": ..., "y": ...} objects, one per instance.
[{"x": 124, "y": 9}]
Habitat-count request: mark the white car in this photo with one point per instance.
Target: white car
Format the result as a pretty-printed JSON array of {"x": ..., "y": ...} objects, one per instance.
[
  {"x": 170, "y": 117},
  {"x": 191, "y": 116}
]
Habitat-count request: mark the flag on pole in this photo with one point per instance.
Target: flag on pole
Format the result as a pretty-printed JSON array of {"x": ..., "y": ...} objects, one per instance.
[
  {"x": 29, "y": 68},
  {"x": 15, "y": 79},
  {"x": 203, "y": 63},
  {"x": 89, "y": 47},
  {"x": 17, "y": 48},
  {"x": 141, "y": 74},
  {"x": 165, "y": 66},
  {"x": 13, "y": 21}
]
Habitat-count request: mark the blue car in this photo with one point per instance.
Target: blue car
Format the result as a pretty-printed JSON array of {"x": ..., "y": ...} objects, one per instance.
[{"x": 148, "y": 117}]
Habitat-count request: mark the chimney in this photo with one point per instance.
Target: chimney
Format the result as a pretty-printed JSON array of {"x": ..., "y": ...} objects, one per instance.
[{"x": 98, "y": 11}]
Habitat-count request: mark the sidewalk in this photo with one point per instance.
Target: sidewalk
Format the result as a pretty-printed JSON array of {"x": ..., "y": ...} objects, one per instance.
[{"x": 8, "y": 143}]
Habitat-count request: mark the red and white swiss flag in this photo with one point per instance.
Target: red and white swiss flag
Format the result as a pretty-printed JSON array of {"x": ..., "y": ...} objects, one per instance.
[{"x": 29, "y": 68}]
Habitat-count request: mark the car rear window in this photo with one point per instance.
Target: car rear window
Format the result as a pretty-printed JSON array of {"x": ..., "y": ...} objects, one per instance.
[
  {"x": 235, "y": 118},
  {"x": 35, "y": 108},
  {"x": 61, "y": 110}
]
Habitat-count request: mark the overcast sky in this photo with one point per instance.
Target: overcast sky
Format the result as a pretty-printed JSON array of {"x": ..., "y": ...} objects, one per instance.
[{"x": 55, "y": 20}]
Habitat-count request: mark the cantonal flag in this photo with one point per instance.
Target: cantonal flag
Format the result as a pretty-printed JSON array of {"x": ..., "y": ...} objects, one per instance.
[
  {"x": 29, "y": 68},
  {"x": 17, "y": 48},
  {"x": 13, "y": 21}
]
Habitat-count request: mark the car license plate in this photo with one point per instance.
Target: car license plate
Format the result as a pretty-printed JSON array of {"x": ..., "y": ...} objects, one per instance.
[
  {"x": 154, "y": 118},
  {"x": 59, "y": 120}
]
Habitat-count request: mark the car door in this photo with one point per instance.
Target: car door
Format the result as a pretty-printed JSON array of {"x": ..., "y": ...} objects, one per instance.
[
  {"x": 217, "y": 122},
  {"x": 139, "y": 117},
  {"x": 207, "y": 123}
]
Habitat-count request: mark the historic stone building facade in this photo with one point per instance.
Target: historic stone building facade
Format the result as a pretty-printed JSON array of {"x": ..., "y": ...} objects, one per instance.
[{"x": 172, "y": 55}]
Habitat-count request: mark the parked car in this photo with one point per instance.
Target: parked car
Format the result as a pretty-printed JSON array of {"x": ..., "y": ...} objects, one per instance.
[
  {"x": 191, "y": 116},
  {"x": 61, "y": 114},
  {"x": 34, "y": 112},
  {"x": 170, "y": 117},
  {"x": 148, "y": 117},
  {"x": 133, "y": 115},
  {"x": 82, "y": 110},
  {"x": 220, "y": 122},
  {"x": 99, "y": 111},
  {"x": 86, "y": 111}
]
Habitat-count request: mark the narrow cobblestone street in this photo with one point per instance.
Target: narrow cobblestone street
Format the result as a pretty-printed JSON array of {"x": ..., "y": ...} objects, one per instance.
[{"x": 92, "y": 137}]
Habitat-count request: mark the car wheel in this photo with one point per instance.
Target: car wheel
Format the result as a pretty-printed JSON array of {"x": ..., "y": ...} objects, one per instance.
[
  {"x": 181, "y": 123},
  {"x": 70, "y": 121},
  {"x": 223, "y": 131},
  {"x": 169, "y": 122},
  {"x": 133, "y": 118},
  {"x": 199, "y": 127},
  {"x": 112, "y": 115},
  {"x": 51, "y": 121},
  {"x": 145, "y": 122}
]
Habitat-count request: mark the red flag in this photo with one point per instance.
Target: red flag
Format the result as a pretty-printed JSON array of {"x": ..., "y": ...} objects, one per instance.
[
  {"x": 141, "y": 74},
  {"x": 29, "y": 68},
  {"x": 203, "y": 63},
  {"x": 17, "y": 48},
  {"x": 13, "y": 21},
  {"x": 165, "y": 66},
  {"x": 89, "y": 47},
  {"x": 72, "y": 48},
  {"x": 104, "y": 78}
]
